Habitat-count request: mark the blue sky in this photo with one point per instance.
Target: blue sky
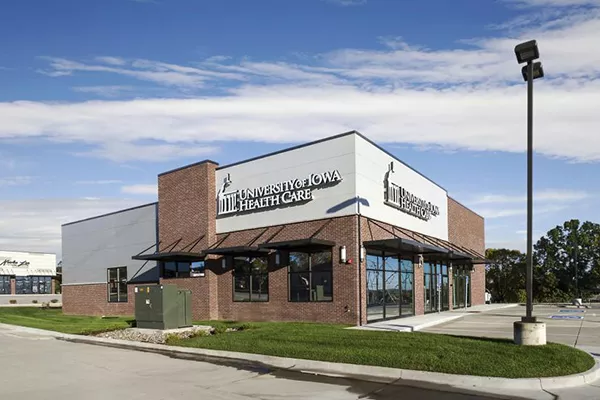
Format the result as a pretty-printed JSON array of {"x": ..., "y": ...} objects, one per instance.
[{"x": 99, "y": 96}]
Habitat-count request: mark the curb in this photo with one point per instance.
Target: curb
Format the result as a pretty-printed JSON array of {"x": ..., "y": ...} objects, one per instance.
[{"x": 385, "y": 375}]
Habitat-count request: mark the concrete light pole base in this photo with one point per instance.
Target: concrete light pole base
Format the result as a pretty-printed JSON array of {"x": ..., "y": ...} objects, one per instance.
[{"x": 529, "y": 333}]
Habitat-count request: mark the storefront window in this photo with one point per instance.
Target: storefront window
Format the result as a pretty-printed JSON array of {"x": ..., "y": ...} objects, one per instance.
[
  {"x": 32, "y": 285},
  {"x": 310, "y": 277},
  {"x": 4, "y": 284},
  {"x": 250, "y": 279},
  {"x": 117, "y": 285}
]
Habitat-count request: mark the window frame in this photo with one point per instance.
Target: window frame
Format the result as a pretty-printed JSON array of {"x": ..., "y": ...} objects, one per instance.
[
  {"x": 310, "y": 272},
  {"x": 250, "y": 275},
  {"x": 119, "y": 281}
]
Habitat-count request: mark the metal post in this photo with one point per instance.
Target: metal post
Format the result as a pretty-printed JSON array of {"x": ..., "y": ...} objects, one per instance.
[{"x": 529, "y": 316}]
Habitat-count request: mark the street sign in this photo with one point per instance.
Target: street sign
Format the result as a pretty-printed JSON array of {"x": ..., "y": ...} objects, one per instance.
[
  {"x": 566, "y": 317},
  {"x": 574, "y": 311},
  {"x": 439, "y": 281}
]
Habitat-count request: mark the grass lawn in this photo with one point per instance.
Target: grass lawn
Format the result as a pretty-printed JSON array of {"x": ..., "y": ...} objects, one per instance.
[
  {"x": 416, "y": 351},
  {"x": 55, "y": 320}
]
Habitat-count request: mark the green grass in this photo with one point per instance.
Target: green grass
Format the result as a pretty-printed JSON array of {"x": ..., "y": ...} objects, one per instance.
[
  {"x": 55, "y": 320},
  {"x": 416, "y": 351}
]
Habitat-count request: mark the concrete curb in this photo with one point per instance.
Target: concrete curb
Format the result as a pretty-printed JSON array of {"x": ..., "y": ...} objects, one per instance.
[{"x": 385, "y": 375}]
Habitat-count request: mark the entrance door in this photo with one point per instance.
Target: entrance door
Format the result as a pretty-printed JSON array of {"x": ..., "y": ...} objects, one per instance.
[
  {"x": 461, "y": 289},
  {"x": 389, "y": 287}
]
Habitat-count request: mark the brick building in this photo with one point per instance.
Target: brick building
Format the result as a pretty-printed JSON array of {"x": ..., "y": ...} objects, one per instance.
[{"x": 336, "y": 230}]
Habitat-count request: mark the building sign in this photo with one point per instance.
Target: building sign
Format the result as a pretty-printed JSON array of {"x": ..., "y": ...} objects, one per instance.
[
  {"x": 290, "y": 192},
  {"x": 398, "y": 197},
  {"x": 14, "y": 263}
]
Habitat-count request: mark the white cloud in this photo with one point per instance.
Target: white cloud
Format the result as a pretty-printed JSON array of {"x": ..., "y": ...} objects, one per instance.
[
  {"x": 140, "y": 189},
  {"x": 111, "y": 60},
  {"x": 105, "y": 91},
  {"x": 541, "y": 196},
  {"x": 491, "y": 213},
  {"x": 127, "y": 152},
  {"x": 347, "y": 2},
  {"x": 99, "y": 182},
  {"x": 35, "y": 225},
  {"x": 15, "y": 180},
  {"x": 469, "y": 97},
  {"x": 554, "y": 3}
]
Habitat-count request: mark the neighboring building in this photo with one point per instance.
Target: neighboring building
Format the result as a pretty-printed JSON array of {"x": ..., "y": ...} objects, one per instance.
[
  {"x": 336, "y": 230},
  {"x": 27, "y": 273}
]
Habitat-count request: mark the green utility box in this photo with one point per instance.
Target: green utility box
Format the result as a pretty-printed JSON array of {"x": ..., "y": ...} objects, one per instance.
[{"x": 163, "y": 307}]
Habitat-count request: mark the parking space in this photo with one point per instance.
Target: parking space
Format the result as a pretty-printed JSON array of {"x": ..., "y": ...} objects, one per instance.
[{"x": 571, "y": 326}]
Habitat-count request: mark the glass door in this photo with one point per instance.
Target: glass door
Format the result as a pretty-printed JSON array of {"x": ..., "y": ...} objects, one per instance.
[
  {"x": 390, "y": 291},
  {"x": 375, "y": 290}
]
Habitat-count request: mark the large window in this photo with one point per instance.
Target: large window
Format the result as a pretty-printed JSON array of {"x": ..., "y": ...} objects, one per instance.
[
  {"x": 32, "y": 285},
  {"x": 310, "y": 277},
  {"x": 4, "y": 284},
  {"x": 250, "y": 279},
  {"x": 176, "y": 269},
  {"x": 117, "y": 285}
]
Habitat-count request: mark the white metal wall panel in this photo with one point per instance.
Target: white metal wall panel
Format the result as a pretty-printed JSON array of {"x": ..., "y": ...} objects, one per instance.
[
  {"x": 332, "y": 201},
  {"x": 372, "y": 164},
  {"x": 27, "y": 264}
]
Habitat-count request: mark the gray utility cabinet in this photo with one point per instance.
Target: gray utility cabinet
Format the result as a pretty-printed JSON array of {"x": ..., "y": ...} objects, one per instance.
[{"x": 163, "y": 307}]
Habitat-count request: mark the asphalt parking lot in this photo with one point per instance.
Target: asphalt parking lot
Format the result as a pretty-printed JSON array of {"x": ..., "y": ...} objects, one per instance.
[{"x": 571, "y": 326}]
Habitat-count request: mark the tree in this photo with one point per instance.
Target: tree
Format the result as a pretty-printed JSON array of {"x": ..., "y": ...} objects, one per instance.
[
  {"x": 571, "y": 253},
  {"x": 505, "y": 275}
]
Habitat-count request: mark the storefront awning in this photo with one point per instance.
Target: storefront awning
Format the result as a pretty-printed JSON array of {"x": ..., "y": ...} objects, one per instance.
[
  {"x": 401, "y": 245},
  {"x": 239, "y": 251},
  {"x": 302, "y": 245},
  {"x": 180, "y": 256}
]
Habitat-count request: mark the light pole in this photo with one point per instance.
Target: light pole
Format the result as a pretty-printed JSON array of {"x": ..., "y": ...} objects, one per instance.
[{"x": 527, "y": 52}]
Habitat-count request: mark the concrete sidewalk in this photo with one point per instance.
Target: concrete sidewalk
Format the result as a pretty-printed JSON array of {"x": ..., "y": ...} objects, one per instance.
[
  {"x": 587, "y": 384},
  {"x": 419, "y": 322}
]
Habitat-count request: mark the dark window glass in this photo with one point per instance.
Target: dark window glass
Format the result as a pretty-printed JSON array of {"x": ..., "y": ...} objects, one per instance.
[
  {"x": 170, "y": 269},
  {"x": 117, "y": 285},
  {"x": 250, "y": 279},
  {"x": 4, "y": 284},
  {"x": 176, "y": 269},
  {"x": 310, "y": 277}
]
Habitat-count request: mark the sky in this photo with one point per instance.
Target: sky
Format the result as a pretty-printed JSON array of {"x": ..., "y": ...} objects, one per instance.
[{"x": 99, "y": 96}]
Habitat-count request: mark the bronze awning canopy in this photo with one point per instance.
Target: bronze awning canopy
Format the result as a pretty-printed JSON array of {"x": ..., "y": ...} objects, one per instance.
[
  {"x": 400, "y": 245},
  {"x": 181, "y": 256},
  {"x": 403, "y": 246},
  {"x": 240, "y": 251},
  {"x": 302, "y": 245}
]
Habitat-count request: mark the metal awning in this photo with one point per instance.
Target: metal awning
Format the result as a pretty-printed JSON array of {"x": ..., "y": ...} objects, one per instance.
[
  {"x": 180, "y": 256},
  {"x": 303, "y": 245},
  {"x": 240, "y": 251},
  {"x": 401, "y": 245}
]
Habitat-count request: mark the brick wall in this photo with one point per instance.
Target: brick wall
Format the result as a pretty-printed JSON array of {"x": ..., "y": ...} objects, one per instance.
[
  {"x": 343, "y": 308},
  {"x": 13, "y": 286},
  {"x": 92, "y": 300},
  {"x": 187, "y": 206},
  {"x": 467, "y": 229}
]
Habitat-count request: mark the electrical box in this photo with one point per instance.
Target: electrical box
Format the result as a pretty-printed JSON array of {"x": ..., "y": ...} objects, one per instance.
[{"x": 163, "y": 307}]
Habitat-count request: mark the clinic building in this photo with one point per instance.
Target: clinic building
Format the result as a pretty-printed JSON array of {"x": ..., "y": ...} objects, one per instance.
[{"x": 337, "y": 230}]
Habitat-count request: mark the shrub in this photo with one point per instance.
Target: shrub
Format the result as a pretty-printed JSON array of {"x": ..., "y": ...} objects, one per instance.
[
  {"x": 34, "y": 301},
  {"x": 12, "y": 301},
  {"x": 54, "y": 301}
]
